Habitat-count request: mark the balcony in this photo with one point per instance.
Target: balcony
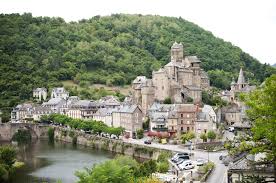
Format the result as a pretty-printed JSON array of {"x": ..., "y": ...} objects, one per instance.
[{"x": 160, "y": 129}]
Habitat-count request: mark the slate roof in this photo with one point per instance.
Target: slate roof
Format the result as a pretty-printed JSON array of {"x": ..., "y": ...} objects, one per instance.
[
  {"x": 22, "y": 107},
  {"x": 248, "y": 164},
  {"x": 105, "y": 111},
  {"x": 39, "y": 89},
  {"x": 126, "y": 108},
  {"x": 109, "y": 100},
  {"x": 139, "y": 79},
  {"x": 193, "y": 59},
  {"x": 54, "y": 101},
  {"x": 84, "y": 104},
  {"x": 59, "y": 90}
]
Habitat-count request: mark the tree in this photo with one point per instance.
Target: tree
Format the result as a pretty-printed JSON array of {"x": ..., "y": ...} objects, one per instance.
[
  {"x": 146, "y": 124},
  {"x": 7, "y": 155},
  {"x": 261, "y": 112},
  {"x": 167, "y": 100},
  {"x": 211, "y": 135},
  {"x": 187, "y": 136},
  {"x": 118, "y": 170},
  {"x": 203, "y": 136},
  {"x": 140, "y": 133}
]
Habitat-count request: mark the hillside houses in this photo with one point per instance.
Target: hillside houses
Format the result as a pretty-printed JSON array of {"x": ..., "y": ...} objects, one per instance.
[{"x": 40, "y": 94}]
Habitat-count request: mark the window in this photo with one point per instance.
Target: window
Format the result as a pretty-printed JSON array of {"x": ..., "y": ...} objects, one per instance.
[
  {"x": 181, "y": 128},
  {"x": 181, "y": 121},
  {"x": 181, "y": 115},
  {"x": 188, "y": 115},
  {"x": 188, "y": 128}
]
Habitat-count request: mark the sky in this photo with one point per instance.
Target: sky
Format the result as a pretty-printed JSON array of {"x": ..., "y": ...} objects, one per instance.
[{"x": 248, "y": 24}]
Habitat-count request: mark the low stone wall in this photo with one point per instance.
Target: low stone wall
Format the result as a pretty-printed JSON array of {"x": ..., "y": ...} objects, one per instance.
[{"x": 113, "y": 145}]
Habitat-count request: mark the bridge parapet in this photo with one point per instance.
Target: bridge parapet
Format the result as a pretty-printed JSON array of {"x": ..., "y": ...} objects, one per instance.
[{"x": 7, "y": 130}]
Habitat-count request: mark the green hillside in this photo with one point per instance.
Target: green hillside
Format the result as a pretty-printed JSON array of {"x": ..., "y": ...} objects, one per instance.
[{"x": 111, "y": 50}]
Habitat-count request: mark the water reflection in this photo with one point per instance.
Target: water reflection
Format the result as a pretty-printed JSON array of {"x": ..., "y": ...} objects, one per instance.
[{"x": 48, "y": 163}]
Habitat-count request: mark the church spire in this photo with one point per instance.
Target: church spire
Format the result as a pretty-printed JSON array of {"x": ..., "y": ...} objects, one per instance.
[{"x": 241, "y": 78}]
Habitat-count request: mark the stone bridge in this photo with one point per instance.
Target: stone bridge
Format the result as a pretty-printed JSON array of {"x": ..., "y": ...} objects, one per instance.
[{"x": 7, "y": 130}]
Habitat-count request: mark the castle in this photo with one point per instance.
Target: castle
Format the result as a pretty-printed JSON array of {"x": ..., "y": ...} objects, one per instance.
[{"x": 182, "y": 80}]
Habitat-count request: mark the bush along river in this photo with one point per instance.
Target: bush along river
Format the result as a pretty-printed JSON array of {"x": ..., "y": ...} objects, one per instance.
[{"x": 55, "y": 162}]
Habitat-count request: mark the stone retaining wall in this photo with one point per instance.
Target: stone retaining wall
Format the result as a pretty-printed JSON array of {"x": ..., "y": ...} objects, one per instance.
[{"x": 113, "y": 145}]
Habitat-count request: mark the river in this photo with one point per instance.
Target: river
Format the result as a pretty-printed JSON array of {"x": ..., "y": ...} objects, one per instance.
[{"x": 49, "y": 163}]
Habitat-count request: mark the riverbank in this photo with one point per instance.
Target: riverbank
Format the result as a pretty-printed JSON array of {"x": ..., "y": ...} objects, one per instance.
[{"x": 102, "y": 143}]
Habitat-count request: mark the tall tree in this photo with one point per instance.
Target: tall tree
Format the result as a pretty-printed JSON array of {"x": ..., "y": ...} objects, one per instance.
[{"x": 262, "y": 113}]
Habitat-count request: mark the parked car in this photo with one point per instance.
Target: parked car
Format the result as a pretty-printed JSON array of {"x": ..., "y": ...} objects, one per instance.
[
  {"x": 112, "y": 136},
  {"x": 184, "y": 157},
  {"x": 179, "y": 154},
  {"x": 231, "y": 129},
  {"x": 148, "y": 141},
  {"x": 200, "y": 162},
  {"x": 186, "y": 165},
  {"x": 179, "y": 161}
]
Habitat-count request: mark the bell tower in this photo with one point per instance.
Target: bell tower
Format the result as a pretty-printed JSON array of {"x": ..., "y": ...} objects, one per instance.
[{"x": 177, "y": 52}]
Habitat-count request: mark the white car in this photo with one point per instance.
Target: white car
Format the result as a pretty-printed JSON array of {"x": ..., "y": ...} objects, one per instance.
[
  {"x": 200, "y": 162},
  {"x": 186, "y": 165},
  {"x": 231, "y": 129}
]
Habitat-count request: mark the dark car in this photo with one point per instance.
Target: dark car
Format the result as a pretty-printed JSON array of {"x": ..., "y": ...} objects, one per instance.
[
  {"x": 185, "y": 157},
  {"x": 147, "y": 142}
]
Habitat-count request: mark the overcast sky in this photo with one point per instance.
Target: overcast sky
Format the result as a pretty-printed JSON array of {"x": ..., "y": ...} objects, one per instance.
[{"x": 249, "y": 24}]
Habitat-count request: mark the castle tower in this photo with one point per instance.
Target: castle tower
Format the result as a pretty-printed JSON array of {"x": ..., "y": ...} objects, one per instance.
[
  {"x": 233, "y": 84},
  {"x": 177, "y": 52},
  {"x": 147, "y": 93},
  {"x": 241, "y": 80}
]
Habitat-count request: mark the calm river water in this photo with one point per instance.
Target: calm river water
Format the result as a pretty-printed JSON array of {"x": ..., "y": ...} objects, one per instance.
[{"x": 50, "y": 163}]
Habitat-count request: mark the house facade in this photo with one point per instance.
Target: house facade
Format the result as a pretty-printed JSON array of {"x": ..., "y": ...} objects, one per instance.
[
  {"x": 130, "y": 117},
  {"x": 40, "y": 94},
  {"x": 22, "y": 113},
  {"x": 60, "y": 93}
]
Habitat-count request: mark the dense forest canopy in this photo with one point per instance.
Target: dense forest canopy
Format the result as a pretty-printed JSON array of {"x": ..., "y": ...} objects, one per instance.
[{"x": 112, "y": 50}]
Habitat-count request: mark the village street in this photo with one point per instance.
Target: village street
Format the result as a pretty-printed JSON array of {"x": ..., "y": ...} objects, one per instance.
[{"x": 219, "y": 175}]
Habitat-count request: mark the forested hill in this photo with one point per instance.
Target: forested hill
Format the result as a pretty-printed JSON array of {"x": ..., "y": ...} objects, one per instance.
[{"x": 41, "y": 51}]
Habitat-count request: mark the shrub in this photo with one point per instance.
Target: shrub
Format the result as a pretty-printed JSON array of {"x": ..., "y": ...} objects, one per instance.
[
  {"x": 140, "y": 133},
  {"x": 22, "y": 136},
  {"x": 51, "y": 134},
  {"x": 187, "y": 136},
  {"x": 167, "y": 100},
  {"x": 211, "y": 135},
  {"x": 203, "y": 136}
]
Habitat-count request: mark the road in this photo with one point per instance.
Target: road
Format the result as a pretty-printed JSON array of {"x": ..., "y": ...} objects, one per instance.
[{"x": 217, "y": 176}]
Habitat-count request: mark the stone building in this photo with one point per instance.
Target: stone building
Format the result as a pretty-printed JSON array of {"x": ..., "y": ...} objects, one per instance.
[
  {"x": 22, "y": 113},
  {"x": 55, "y": 104},
  {"x": 39, "y": 111},
  {"x": 181, "y": 80},
  {"x": 186, "y": 114},
  {"x": 105, "y": 115},
  {"x": 60, "y": 93},
  {"x": 248, "y": 168},
  {"x": 40, "y": 94},
  {"x": 172, "y": 118},
  {"x": 130, "y": 117},
  {"x": 82, "y": 109},
  {"x": 241, "y": 86},
  {"x": 206, "y": 120}
]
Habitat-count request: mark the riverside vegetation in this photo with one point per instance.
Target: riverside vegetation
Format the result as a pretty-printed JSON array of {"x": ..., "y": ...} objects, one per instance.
[{"x": 111, "y": 50}]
